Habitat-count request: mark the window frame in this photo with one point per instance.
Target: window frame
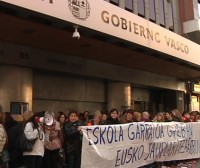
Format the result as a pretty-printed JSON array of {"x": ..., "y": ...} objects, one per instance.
[
  {"x": 154, "y": 9},
  {"x": 128, "y": 9},
  {"x": 171, "y": 27},
  {"x": 140, "y": 14},
  {"x": 163, "y": 13},
  {"x": 114, "y": 2}
]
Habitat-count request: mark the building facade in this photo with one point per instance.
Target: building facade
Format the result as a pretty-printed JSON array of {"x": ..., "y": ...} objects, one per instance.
[{"x": 131, "y": 54}]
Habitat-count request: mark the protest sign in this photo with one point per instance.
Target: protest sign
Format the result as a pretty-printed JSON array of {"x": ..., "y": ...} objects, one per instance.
[{"x": 137, "y": 144}]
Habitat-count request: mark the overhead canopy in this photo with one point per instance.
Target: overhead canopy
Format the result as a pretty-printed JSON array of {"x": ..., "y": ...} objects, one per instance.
[{"x": 140, "y": 48}]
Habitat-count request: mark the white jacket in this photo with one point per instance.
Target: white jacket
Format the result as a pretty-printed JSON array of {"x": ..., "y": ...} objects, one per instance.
[{"x": 38, "y": 148}]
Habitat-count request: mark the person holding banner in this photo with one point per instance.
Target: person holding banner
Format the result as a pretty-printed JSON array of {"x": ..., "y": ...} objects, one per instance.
[
  {"x": 176, "y": 115},
  {"x": 127, "y": 117},
  {"x": 159, "y": 117},
  {"x": 104, "y": 119},
  {"x": 193, "y": 116},
  {"x": 168, "y": 117},
  {"x": 137, "y": 116},
  {"x": 186, "y": 116},
  {"x": 113, "y": 117},
  {"x": 94, "y": 119},
  {"x": 73, "y": 140},
  {"x": 145, "y": 116}
]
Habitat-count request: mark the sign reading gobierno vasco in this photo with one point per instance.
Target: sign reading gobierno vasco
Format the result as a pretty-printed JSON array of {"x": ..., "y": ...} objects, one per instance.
[
  {"x": 109, "y": 19},
  {"x": 138, "y": 144}
]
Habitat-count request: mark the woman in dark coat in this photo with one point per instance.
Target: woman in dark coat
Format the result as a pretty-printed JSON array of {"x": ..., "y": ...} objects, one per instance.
[
  {"x": 113, "y": 117},
  {"x": 73, "y": 140}
]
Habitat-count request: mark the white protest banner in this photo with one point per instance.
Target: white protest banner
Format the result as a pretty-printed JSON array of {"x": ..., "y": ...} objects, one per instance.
[{"x": 138, "y": 144}]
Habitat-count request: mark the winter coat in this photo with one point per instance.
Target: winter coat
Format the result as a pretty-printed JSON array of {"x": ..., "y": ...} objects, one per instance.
[
  {"x": 3, "y": 138},
  {"x": 38, "y": 148},
  {"x": 112, "y": 121},
  {"x": 14, "y": 131},
  {"x": 53, "y": 136},
  {"x": 72, "y": 136}
]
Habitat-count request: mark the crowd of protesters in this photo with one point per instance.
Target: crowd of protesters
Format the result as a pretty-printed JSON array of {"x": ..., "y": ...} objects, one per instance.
[
  {"x": 59, "y": 144},
  {"x": 128, "y": 116}
]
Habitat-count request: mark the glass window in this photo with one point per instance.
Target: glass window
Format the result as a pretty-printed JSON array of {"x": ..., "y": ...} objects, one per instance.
[
  {"x": 141, "y": 8},
  {"x": 161, "y": 13},
  {"x": 171, "y": 17},
  {"x": 115, "y": 2},
  {"x": 152, "y": 11},
  {"x": 129, "y": 5}
]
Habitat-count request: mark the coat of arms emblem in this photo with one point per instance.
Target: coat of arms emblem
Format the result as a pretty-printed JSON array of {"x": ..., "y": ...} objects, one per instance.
[{"x": 79, "y": 8}]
